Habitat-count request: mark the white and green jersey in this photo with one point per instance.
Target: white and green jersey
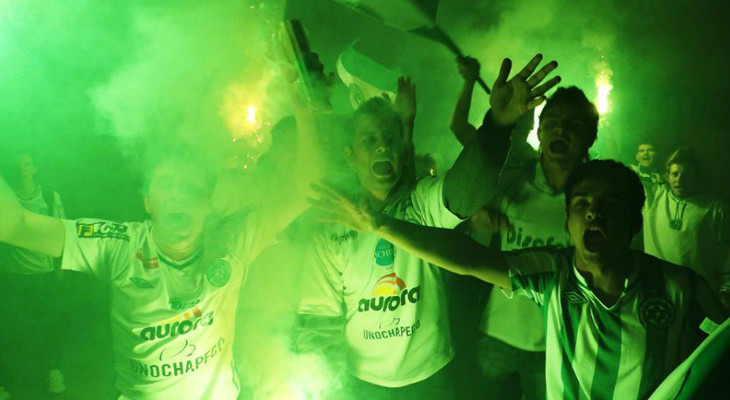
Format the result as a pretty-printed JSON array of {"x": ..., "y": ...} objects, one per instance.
[
  {"x": 622, "y": 351},
  {"x": 172, "y": 322},
  {"x": 692, "y": 232},
  {"x": 537, "y": 214},
  {"x": 394, "y": 306},
  {"x": 22, "y": 261},
  {"x": 651, "y": 176}
]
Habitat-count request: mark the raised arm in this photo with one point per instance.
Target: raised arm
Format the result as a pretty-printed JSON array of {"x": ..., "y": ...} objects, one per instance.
[
  {"x": 460, "y": 126},
  {"x": 472, "y": 181},
  {"x": 445, "y": 248},
  {"x": 22, "y": 228}
]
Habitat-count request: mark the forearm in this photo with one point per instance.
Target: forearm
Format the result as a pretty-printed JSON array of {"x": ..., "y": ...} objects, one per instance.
[
  {"x": 493, "y": 137},
  {"x": 446, "y": 248},
  {"x": 11, "y": 217},
  {"x": 460, "y": 125}
]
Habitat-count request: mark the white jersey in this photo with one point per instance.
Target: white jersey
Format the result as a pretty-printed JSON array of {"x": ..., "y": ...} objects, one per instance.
[
  {"x": 651, "y": 176},
  {"x": 692, "y": 232},
  {"x": 537, "y": 214},
  {"x": 396, "y": 327},
  {"x": 22, "y": 261},
  {"x": 172, "y": 322}
]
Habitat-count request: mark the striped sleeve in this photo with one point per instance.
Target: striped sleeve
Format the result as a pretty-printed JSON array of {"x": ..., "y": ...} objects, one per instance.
[{"x": 532, "y": 272}]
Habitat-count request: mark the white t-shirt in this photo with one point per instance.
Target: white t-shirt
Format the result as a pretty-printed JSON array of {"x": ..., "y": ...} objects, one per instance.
[
  {"x": 538, "y": 216},
  {"x": 25, "y": 262},
  {"x": 692, "y": 232},
  {"x": 396, "y": 327},
  {"x": 172, "y": 322}
]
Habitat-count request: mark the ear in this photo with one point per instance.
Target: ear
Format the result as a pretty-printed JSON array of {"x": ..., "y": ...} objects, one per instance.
[
  {"x": 146, "y": 200},
  {"x": 347, "y": 152}
]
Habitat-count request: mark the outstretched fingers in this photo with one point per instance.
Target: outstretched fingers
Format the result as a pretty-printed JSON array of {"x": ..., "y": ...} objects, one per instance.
[
  {"x": 530, "y": 67},
  {"x": 542, "y": 73},
  {"x": 504, "y": 71},
  {"x": 540, "y": 90}
]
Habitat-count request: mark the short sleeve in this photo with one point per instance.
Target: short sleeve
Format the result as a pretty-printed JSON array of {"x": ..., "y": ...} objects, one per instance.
[
  {"x": 240, "y": 231},
  {"x": 428, "y": 201},
  {"x": 322, "y": 285},
  {"x": 532, "y": 272},
  {"x": 97, "y": 247}
]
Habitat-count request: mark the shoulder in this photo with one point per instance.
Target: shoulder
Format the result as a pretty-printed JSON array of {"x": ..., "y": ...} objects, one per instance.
[{"x": 675, "y": 277}]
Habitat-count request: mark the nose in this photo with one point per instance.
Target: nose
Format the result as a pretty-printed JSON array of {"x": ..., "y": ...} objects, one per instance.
[{"x": 593, "y": 213}]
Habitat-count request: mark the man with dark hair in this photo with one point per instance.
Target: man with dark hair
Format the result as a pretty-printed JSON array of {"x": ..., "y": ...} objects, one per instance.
[
  {"x": 617, "y": 321},
  {"x": 530, "y": 195},
  {"x": 388, "y": 305},
  {"x": 685, "y": 225},
  {"x": 645, "y": 157}
]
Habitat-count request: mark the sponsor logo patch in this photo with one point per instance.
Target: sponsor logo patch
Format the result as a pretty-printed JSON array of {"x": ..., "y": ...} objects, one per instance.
[
  {"x": 141, "y": 283},
  {"x": 102, "y": 230},
  {"x": 574, "y": 297},
  {"x": 147, "y": 263},
  {"x": 389, "y": 293}
]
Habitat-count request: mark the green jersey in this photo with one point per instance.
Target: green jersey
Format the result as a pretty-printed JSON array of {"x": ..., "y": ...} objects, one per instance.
[{"x": 621, "y": 351}]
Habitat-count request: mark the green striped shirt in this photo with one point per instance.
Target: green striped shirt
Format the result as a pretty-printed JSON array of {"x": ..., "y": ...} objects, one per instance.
[{"x": 618, "y": 352}]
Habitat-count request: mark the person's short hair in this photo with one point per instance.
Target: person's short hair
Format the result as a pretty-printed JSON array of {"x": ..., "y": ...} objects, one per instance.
[
  {"x": 575, "y": 97},
  {"x": 183, "y": 155},
  {"x": 376, "y": 107},
  {"x": 683, "y": 155},
  {"x": 618, "y": 176}
]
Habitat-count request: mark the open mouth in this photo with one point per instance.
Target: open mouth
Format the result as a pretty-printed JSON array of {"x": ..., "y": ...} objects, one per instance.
[
  {"x": 383, "y": 168},
  {"x": 594, "y": 239},
  {"x": 559, "y": 146}
]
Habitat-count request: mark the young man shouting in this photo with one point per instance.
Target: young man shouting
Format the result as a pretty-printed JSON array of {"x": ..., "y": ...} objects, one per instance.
[{"x": 617, "y": 321}]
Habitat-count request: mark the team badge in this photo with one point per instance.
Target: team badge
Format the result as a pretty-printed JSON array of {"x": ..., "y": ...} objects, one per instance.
[
  {"x": 656, "y": 313},
  {"x": 219, "y": 272},
  {"x": 384, "y": 253}
]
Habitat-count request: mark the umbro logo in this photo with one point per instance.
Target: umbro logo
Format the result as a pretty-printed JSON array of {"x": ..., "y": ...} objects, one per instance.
[
  {"x": 141, "y": 283},
  {"x": 574, "y": 297}
]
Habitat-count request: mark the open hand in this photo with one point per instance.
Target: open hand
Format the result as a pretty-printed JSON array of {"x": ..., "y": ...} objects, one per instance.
[
  {"x": 512, "y": 99},
  {"x": 336, "y": 207}
]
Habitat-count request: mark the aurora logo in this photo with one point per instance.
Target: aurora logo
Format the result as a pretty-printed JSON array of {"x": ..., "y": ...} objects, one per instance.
[
  {"x": 390, "y": 293},
  {"x": 177, "y": 327}
]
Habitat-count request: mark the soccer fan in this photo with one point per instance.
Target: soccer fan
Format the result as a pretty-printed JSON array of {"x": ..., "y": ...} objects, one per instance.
[
  {"x": 617, "y": 321},
  {"x": 173, "y": 281},
  {"x": 530, "y": 196},
  {"x": 685, "y": 225},
  {"x": 33, "y": 275},
  {"x": 644, "y": 167},
  {"x": 386, "y": 304}
]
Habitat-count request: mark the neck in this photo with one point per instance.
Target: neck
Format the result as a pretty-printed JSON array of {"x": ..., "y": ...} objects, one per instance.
[
  {"x": 375, "y": 198},
  {"x": 175, "y": 250},
  {"x": 27, "y": 187},
  {"x": 606, "y": 277},
  {"x": 557, "y": 172}
]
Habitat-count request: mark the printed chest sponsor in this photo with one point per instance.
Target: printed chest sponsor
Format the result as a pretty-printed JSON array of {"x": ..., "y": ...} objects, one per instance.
[
  {"x": 390, "y": 292},
  {"x": 191, "y": 320}
]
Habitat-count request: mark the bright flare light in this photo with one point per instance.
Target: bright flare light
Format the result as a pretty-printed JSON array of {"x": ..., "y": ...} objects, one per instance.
[
  {"x": 251, "y": 115},
  {"x": 603, "y": 89},
  {"x": 532, "y": 139}
]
